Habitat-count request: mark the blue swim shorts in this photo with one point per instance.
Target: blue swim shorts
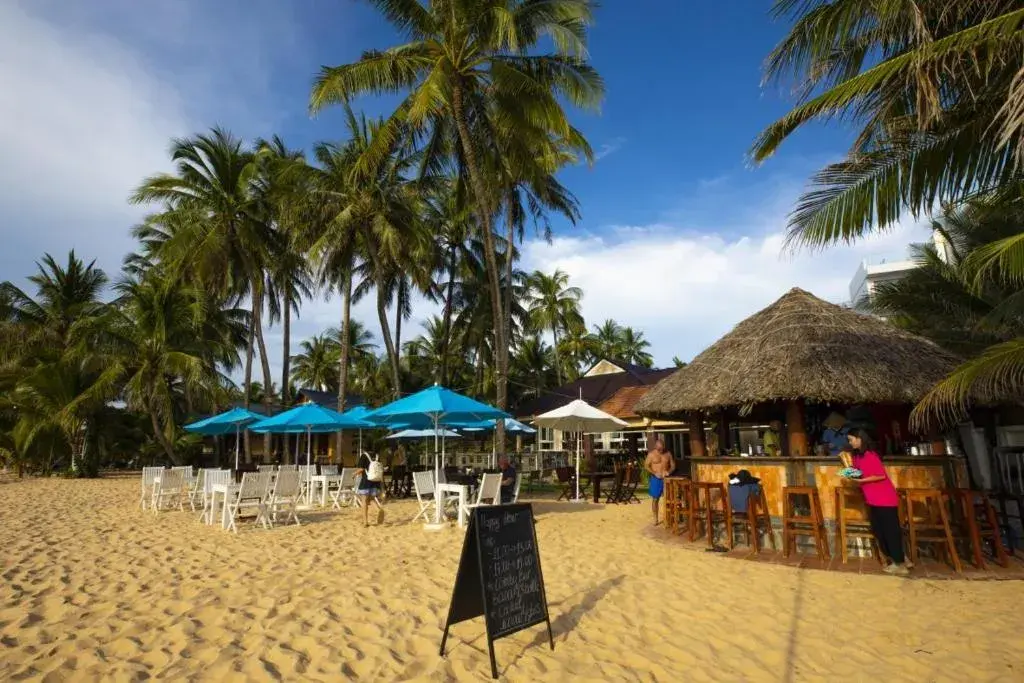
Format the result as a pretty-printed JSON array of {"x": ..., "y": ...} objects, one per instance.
[{"x": 656, "y": 487}]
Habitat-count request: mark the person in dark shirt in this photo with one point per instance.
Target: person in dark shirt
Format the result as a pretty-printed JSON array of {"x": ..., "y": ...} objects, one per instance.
[
  {"x": 367, "y": 490},
  {"x": 508, "y": 480}
]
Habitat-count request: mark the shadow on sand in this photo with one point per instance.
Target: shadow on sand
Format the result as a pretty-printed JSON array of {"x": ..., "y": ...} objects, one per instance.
[
  {"x": 544, "y": 507},
  {"x": 571, "y": 610}
]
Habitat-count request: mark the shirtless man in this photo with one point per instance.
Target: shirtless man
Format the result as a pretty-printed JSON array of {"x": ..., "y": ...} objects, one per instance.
[{"x": 659, "y": 465}]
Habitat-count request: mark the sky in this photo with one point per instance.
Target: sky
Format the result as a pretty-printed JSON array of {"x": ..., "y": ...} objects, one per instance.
[{"x": 680, "y": 237}]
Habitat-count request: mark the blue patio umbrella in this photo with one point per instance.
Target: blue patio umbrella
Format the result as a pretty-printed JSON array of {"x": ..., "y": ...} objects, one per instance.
[
  {"x": 224, "y": 423},
  {"x": 309, "y": 418},
  {"x": 360, "y": 414},
  {"x": 438, "y": 407}
]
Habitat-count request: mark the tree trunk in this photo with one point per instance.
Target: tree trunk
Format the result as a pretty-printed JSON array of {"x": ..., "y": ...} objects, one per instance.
[
  {"x": 286, "y": 361},
  {"x": 161, "y": 437},
  {"x": 389, "y": 342},
  {"x": 558, "y": 356},
  {"x": 346, "y": 317},
  {"x": 490, "y": 255},
  {"x": 268, "y": 381},
  {"x": 247, "y": 388},
  {"x": 398, "y": 322},
  {"x": 446, "y": 341}
]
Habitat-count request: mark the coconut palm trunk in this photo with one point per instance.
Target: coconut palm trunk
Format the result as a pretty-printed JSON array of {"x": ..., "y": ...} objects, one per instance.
[
  {"x": 447, "y": 316},
  {"x": 286, "y": 332},
  {"x": 346, "y": 319},
  {"x": 490, "y": 254},
  {"x": 247, "y": 389},
  {"x": 268, "y": 381},
  {"x": 389, "y": 342}
]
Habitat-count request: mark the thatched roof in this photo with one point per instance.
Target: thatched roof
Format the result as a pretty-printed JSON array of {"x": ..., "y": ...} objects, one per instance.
[{"x": 803, "y": 347}]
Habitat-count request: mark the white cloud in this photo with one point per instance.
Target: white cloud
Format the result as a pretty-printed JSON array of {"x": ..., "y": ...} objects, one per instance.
[
  {"x": 686, "y": 290},
  {"x": 609, "y": 148}
]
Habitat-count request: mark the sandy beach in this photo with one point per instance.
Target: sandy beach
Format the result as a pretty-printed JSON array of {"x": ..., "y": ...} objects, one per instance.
[{"x": 96, "y": 589}]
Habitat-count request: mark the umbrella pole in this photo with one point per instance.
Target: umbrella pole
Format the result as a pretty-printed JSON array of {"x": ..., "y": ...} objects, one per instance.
[
  {"x": 579, "y": 442},
  {"x": 237, "y": 438},
  {"x": 437, "y": 476}
]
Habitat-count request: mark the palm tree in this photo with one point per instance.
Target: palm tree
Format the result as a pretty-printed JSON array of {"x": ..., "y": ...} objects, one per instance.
[
  {"x": 464, "y": 64},
  {"x": 580, "y": 347},
  {"x": 632, "y": 348},
  {"x": 608, "y": 340},
  {"x": 555, "y": 306},
  {"x": 533, "y": 363},
  {"x": 153, "y": 338},
  {"x": 315, "y": 366},
  {"x": 360, "y": 340},
  {"x": 223, "y": 237},
  {"x": 64, "y": 296},
  {"x": 936, "y": 89}
]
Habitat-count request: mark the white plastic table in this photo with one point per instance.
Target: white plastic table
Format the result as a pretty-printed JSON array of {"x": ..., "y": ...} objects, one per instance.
[
  {"x": 321, "y": 481},
  {"x": 463, "y": 492},
  {"x": 222, "y": 490}
]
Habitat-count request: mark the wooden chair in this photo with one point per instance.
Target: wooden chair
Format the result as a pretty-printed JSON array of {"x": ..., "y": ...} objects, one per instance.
[
  {"x": 711, "y": 511},
  {"x": 755, "y": 520},
  {"x": 679, "y": 505},
  {"x": 630, "y": 482},
  {"x": 931, "y": 525},
  {"x": 794, "y": 525},
  {"x": 565, "y": 476},
  {"x": 847, "y": 528},
  {"x": 975, "y": 516},
  {"x": 614, "y": 494}
]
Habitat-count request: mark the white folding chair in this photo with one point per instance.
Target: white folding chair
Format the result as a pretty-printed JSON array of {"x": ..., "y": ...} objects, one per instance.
[
  {"x": 195, "y": 488},
  {"x": 171, "y": 487},
  {"x": 423, "y": 485},
  {"x": 515, "y": 491},
  {"x": 305, "y": 472},
  {"x": 210, "y": 479},
  {"x": 149, "y": 475},
  {"x": 345, "y": 493},
  {"x": 490, "y": 490},
  {"x": 266, "y": 468},
  {"x": 283, "y": 497},
  {"x": 329, "y": 470},
  {"x": 251, "y": 495}
]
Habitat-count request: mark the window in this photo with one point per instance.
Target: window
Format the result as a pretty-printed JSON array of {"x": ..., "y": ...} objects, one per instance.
[{"x": 546, "y": 439}]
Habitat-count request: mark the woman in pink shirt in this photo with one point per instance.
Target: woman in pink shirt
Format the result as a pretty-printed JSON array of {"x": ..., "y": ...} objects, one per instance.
[{"x": 881, "y": 498}]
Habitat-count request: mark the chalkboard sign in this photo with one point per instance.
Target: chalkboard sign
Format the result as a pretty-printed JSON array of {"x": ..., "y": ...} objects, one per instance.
[{"x": 499, "y": 576}]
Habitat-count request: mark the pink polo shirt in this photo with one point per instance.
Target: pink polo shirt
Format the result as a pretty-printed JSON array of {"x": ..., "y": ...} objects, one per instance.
[{"x": 877, "y": 493}]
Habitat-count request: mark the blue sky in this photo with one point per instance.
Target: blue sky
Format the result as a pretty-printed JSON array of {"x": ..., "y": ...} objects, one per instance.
[{"x": 680, "y": 236}]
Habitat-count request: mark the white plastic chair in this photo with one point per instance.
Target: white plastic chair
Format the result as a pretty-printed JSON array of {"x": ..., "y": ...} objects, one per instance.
[
  {"x": 211, "y": 479},
  {"x": 171, "y": 487},
  {"x": 266, "y": 468},
  {"x": 423, "y": 484},
  {"x": 149, "y": 474},
  {"x": 345, "y": 492},
  {"x": 283, "y": 497},
  {"x": 515, "y": 491},
  {"x": 490, "y": 490},
  {"x": 305, "y": 472},
  {"x": 328, "y": 470},
  {"x": 251, "y": 495}
]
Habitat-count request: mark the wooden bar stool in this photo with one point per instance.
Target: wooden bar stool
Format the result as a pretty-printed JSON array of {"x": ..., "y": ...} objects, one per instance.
[
  {"x": 848, "y": 528},
  {"x": 974, "y": 513},
  {"x": 931, "y": 526},
  {"x": 757, "y": 518},
  {"x": 679, "y": 505},
  {"x": 711, "y": 512},
  {"x": 794, "y": 525}
]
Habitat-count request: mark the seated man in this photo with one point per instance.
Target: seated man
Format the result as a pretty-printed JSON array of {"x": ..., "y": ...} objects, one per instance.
[{"x": 508, "y": 480}]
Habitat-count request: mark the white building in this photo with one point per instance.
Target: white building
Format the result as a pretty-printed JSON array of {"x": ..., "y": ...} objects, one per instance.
[{"x": 869, "y": 276}]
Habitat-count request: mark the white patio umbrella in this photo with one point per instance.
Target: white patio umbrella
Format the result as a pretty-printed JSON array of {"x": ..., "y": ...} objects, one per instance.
[{"x": 579, "y": 416}]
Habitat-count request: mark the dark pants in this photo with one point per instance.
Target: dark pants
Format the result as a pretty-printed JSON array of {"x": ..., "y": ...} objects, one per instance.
[{"x": 885, "y": 525}]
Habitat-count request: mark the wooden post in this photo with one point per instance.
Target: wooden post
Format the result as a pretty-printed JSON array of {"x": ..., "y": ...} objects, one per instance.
[
  {"x": 796, "y": 429},
  {"x": 696, "y": 426},
  {"x": 723, "y": 432},
  {"x": 633, "y": 445}
]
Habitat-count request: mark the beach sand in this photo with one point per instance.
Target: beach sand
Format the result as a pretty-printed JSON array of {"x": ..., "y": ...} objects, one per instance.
[{"x": 93, "y": 588}]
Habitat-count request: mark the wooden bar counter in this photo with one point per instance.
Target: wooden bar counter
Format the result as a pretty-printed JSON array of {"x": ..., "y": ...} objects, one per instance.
[{"x": 906, "y": 471}]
